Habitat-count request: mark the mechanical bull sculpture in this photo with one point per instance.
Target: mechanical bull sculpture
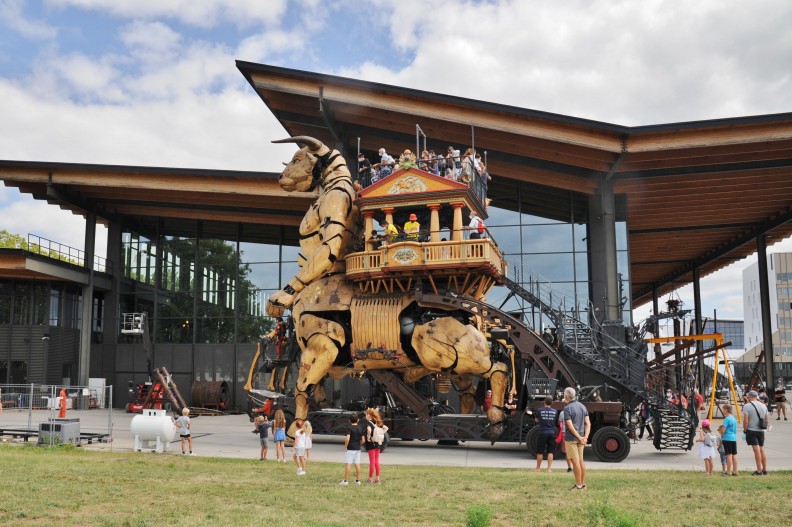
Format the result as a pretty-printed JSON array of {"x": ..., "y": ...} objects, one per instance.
[{"x": 325, "y": 308}]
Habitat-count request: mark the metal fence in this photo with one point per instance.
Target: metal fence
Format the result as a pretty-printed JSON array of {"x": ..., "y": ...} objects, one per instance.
[{"x": 34, "y": 411}]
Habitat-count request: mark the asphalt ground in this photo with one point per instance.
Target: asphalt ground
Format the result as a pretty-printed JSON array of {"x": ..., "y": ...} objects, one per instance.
[{"x": 230, "y": 436}]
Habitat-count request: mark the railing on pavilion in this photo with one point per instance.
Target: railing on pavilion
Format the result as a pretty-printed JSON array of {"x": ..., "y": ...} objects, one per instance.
[{"x": 438, "y": 257}]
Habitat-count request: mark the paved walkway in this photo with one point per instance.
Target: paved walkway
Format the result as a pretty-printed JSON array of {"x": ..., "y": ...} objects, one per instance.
[{"x": 230, "y": 436}]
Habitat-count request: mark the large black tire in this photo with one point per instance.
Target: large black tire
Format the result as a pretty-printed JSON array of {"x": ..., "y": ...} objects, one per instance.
[
  {"x": 532, "y": 441},
  {"x": 610, "y": 444}
]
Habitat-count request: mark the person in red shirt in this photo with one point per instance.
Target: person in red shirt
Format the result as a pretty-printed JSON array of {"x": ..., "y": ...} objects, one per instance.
[
  {"x": 487, "y": 401},
  {"x": 699, "y": 400}
]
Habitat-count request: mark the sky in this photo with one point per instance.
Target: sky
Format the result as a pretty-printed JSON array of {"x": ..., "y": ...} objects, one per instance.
[{"x": 154, "y": 82}]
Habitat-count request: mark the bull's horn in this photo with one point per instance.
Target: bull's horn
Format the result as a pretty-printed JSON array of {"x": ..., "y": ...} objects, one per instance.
[{"x": 310, "y": 142}]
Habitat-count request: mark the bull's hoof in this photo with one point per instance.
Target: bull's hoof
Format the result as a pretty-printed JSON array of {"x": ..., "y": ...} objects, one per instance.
[{"x": 494, "y": 431}]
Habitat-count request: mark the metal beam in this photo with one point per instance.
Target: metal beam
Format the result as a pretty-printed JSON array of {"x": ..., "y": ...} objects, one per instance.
[{"x": 330, "y": 122}]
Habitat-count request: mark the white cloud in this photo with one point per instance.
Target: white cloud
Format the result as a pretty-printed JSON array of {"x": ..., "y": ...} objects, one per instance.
[
  {"x": 11, "y": 16},
  {"x": 203, "y": 13},
  {"x": 625, "y": 62}
]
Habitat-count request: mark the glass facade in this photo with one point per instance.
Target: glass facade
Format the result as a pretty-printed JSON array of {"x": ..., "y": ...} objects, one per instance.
[{"x": 206, "y": 297}]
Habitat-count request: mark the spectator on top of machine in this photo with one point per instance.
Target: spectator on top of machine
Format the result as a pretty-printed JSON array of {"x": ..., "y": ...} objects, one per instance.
[
  {"x": 469, "y": 169},
  {"x": 385, "y": 166},
  {"x": 453, "y": 161},
  {"x": 412, "y": 228},
  {"x": 364, "y": 170},
  {"x": 389, "y": 231}
]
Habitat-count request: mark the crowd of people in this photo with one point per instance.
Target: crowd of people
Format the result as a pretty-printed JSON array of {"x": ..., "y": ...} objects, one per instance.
[
  {"x": 453, "y": 165},
  {"x": 721, "y": 442}
]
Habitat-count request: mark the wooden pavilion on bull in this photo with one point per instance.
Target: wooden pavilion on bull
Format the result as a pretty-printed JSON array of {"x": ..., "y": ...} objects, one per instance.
[{"x": 444, "y": 257}]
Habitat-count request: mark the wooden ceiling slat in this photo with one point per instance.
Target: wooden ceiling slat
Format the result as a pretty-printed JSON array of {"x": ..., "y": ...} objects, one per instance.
[{"x": 200, "y": 214}]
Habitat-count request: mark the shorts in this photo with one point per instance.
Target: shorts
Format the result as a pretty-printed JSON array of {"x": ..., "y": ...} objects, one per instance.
[
  {"x": 352, "y": 457},
  {"x": 264, "y": 442},
  {"x": 574, "y": 450},
  {"x": 754, "y": 437},
  {"x": 299, "y": 451},
  {"x": 547, "y": 445},
  {"x": 723, "y": 457},
  {"x": 730, "y": 447},
  {"x": 184, "y": 436}
]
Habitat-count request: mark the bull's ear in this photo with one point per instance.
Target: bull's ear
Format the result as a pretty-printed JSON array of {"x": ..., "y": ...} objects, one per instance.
[{"x": 310, "y": 142}]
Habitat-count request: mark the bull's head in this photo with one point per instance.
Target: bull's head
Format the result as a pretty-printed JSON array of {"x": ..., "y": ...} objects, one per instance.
[{"x": 300, "y": 175}]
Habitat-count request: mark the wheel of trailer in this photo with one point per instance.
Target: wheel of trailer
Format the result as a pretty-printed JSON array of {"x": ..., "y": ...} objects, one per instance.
[
  {"x": 610, "y": 444},
  {"x": 532, "y": 441}
]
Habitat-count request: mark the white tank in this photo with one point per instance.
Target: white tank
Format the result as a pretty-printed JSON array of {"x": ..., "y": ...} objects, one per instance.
[{"x": 153, "y": 426}]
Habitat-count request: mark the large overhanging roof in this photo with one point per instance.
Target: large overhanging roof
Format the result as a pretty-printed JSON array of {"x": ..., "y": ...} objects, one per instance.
[
  {"x": 179, "y": 202},
  {"x": 697, "y": 193}
]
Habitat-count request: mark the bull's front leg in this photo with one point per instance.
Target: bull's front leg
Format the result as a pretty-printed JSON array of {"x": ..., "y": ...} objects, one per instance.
[
  {"x": 322, "y": 340},
  {"x": 445, "y": 344}
]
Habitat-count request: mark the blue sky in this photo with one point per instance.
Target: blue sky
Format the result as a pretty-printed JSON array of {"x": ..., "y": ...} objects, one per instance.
[{"x": 153, "y": 82}]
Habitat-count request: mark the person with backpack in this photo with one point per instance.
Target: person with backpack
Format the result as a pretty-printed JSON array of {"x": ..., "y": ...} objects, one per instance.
[
  {"x": 755, "y": 417},
  {"x": 476, "y": 226},
  {"x": 375, "y": 442}
]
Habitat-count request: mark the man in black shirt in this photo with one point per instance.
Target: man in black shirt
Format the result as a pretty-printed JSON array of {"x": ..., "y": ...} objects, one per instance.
[
  {"x": 364, "y": 170},
  {"x": 352, "y": 444},
  {"x": 546, "y": 418}
]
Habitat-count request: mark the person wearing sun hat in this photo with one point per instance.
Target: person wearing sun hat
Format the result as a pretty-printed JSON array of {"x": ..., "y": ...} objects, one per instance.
[
  {"x": 412, "y": 228},
  {"x": 706, "y": 450}
]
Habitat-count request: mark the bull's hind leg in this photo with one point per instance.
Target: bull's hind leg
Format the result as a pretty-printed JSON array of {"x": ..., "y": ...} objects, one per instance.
[
  {"x": 320, "y": 340},
  {"x": 446, "y": 344},
  {"x": 466, "y": 390}
]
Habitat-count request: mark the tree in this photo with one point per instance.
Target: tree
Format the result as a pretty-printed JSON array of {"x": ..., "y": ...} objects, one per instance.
[{"x": 12, "y": 241}]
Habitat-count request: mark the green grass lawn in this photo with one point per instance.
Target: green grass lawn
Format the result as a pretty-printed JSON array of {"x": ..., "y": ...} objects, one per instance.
[{"x": 70, "y": 486}]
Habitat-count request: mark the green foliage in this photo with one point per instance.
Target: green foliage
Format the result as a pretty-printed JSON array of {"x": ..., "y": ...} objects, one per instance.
[
  {"x": 12, "y": 241},
  {"x": 478, "y": 515}
]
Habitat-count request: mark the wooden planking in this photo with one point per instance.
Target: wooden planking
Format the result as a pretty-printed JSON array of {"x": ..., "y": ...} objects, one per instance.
[
  {"x": 146, "y": 181},
  {"x": 460, "y": 113},
  {"x": 207, "y": 215},
  {"x": 720, "y": 136}
]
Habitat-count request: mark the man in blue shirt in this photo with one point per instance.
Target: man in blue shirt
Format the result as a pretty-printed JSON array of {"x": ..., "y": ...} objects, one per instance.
[
  {"x": 578, "y": 426},
  {"x": 546, "y": 421}
]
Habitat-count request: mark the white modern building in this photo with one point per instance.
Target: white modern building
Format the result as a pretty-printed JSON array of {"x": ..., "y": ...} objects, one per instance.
[{"x": 779, "y": 273}]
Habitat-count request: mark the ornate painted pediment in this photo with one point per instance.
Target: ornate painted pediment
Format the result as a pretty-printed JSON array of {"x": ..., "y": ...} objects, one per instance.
[{"x": 411, "y": 181}]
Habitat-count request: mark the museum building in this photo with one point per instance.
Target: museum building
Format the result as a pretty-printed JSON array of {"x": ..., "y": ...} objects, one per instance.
[{"x": 608, "y": 217}]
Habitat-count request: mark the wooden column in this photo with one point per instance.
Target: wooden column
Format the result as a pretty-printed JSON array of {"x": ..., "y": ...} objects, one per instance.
[
  {"x": 389, "y": 215},
  {"x": 434, "y": 222},
  {"x": 456, "y": 231},
  {"x": 369, "y": 226}
]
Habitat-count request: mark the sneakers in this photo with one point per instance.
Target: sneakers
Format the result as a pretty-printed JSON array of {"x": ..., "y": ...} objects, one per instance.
[
  {"x": 368, "y": 481},
  {"x": 357, "y": 482},
  {"x": 300, "y": 472},
  {"x": 378, "y": 482},
  {"x": 575, "y": 487},
  {"x": 569, "y": 469},
  {"x": 778, "y": 418},
  {"x": 756, "y": 473},
  {"x": 344, "y": 483},
  {"x": 724, "y": 473},
  {"x": 764, "y": 472},
  {"x": 192, "y": 454}
]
